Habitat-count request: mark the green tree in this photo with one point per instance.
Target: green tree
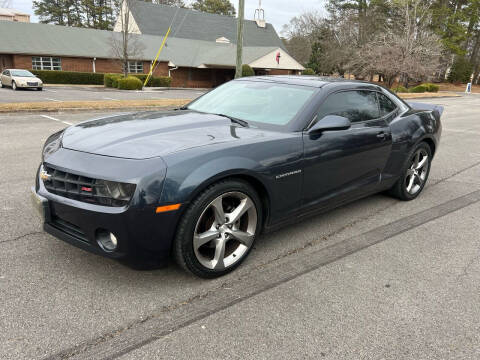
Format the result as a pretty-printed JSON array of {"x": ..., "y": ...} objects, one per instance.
[
  {"x": 461, "y": 71},
  {"x": 222, "y": 7},
  {"x": 97, "y": 14}
]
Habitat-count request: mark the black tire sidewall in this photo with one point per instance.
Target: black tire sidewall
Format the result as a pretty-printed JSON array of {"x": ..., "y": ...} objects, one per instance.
[
  {"x": 404, "y": 191},
  {"x": 183, "y": 246}
]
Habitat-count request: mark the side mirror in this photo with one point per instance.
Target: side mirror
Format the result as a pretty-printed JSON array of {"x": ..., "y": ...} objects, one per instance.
[{"x": 330, "y": 123}]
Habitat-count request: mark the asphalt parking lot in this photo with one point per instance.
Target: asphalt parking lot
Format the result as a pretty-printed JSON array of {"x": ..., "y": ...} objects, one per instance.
[
  {"x": 80, "y": 93},
  {"x": 377, "y": 279}
]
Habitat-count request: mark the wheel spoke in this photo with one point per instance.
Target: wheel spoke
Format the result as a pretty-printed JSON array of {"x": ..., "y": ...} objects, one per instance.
[
  {"x": 410, "y": 183},
  {"x": 417, "y": 160},
  {"x": 219, "y": 256},
  {"x": 217, "y": 206},
  {"x": 422, "y": 163},
  {"x": 243, "y": 237},
  {"x": 203, "y": 238},
  {"x": 241, "y": 209}
]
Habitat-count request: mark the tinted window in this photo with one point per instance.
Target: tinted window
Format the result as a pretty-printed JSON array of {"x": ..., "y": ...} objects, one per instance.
[
  {"x": 358, "y": 105},
  {"x": 386, "y": 105}
]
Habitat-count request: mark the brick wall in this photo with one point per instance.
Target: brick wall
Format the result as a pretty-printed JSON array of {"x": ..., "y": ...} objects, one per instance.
[
  {"x": 107, "y": 66},
  {"x": 181, "y": 77},
  {"x": 279, "y": 72},
  {"x": 198, "y": 78},
  {"x": 6, "y": 62}
]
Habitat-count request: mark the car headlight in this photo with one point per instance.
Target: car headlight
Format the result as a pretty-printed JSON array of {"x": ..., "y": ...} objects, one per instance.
[
  {"x": 53, "y": 143},
  {"x": 114, "y": 190}
]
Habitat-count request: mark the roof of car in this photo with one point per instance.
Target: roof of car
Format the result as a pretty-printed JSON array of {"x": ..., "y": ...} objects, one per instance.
[{"x": 313, "y": 81}]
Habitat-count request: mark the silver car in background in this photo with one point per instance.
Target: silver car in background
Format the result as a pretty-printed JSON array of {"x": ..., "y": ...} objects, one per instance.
[{"x": 16, "y": 78}]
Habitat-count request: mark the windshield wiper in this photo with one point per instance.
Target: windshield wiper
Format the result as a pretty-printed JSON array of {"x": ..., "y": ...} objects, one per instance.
[
  {"x": 234, "y": 120},
  {"x": 181, "y": 108}
]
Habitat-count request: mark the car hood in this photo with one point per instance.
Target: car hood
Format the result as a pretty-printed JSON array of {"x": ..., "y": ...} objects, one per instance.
[
  {"x": 26, "y": 79},
  {"x": 148, "y": 135}
]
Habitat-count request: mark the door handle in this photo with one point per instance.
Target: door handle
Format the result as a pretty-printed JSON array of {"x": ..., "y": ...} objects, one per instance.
[{"x": 382, "y": 135}]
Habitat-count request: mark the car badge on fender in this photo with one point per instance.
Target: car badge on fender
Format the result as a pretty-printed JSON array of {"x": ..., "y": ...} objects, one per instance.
[{"x": 45, "y": 176}]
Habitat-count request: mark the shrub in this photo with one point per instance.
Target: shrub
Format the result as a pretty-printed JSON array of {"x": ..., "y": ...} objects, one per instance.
[
  {"x": 115, "y": 80},
  {"x": 418, "y": 89},
  {"x": 108, "y": 79},
  {"x": 162, "y": 81},
  {"x": 400, "y": 89},
  {"x": 130, "y": 83},
  {"x": 69, "y": 77},
  {"x": 308, "y": 71},
  {"x": 461, "y": 71},
  {"x": 247, "y": 70},
  {"x": 431, "y": 87}
]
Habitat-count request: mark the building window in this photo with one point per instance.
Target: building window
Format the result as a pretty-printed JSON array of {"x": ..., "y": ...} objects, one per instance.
[
  {"x": 135, "y": 67},
  {"x": 46, "y": 63}
]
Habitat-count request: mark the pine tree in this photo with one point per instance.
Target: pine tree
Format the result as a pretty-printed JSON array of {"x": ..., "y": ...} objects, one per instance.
[
  {"x": 222, "y": 7},
  {"x": 97, "y": 14}
]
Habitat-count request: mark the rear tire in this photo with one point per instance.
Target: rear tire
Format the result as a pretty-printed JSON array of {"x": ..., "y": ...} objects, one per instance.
[
  {"x": 39, "y": 89},
  {"x": 218, "y": 230},
  {"x": 415, "y": 174}
]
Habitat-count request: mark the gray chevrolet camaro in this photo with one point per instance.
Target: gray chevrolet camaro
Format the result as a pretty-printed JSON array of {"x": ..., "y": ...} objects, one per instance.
[{"x": 202, "y": 182}]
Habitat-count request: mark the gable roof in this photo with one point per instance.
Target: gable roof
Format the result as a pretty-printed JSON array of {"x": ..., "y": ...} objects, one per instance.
[
  {"x": 54, "y": 40},
  {"x": 154, "y": 19}
]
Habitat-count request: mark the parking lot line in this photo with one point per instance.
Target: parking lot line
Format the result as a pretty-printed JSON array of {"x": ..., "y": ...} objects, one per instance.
[
  {"x": 54, "y": 119},
  {"x": 52, "y": 99},
  {"x": 108, "y": 98}
]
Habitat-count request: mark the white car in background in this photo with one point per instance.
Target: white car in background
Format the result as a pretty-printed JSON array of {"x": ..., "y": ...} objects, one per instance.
[{"x": 16, "y": 79}]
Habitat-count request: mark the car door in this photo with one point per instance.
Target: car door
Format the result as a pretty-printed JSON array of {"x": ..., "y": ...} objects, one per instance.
[{"x": 346, "y": 163}]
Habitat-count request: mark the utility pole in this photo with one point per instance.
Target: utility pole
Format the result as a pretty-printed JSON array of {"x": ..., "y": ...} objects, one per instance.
[{"x": 241, "y": 15}]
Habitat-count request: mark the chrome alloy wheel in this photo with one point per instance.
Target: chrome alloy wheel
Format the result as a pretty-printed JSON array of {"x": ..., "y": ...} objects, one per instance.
[
  {"x": 225, "y": 231},
  {"x": 417, "y": 173}
]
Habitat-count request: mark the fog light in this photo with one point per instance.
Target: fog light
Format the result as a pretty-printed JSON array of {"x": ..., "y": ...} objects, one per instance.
[{"x": 107, "y": 241}]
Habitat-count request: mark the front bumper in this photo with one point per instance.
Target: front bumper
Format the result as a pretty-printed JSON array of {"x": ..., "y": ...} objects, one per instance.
[
  {"x": 141, "y": 233},
  {"x": 27, "y": 86}
]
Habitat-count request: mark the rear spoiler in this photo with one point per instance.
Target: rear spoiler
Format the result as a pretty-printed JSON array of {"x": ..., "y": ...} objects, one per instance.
[{"x": 438, "y": 109}]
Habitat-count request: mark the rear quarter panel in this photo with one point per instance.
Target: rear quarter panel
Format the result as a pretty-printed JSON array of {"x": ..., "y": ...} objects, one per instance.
[{"x": 408, "y": 130}]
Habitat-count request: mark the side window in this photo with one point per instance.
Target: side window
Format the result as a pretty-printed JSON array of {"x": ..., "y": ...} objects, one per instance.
[
  {"x": 6, "y": 73},
  {"x": 355, "y": 105},
  {"x": 386, "y": 105}
]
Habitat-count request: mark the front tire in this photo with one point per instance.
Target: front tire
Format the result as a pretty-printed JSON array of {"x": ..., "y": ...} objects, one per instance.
[
  {"x": 414, "y": 175},
  {"x": 14, "y": 86},
  {"x": 40, "y": 88},
  {"x": 218, "y": 230}
]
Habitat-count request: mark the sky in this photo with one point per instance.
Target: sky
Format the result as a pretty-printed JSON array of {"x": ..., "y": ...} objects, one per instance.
[{"x": 277, "y": 12}]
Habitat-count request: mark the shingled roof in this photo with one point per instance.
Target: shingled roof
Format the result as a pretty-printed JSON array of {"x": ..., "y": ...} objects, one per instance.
[
  {"x": 54, "y": 40},
  {"x": 154, "y": 19}
]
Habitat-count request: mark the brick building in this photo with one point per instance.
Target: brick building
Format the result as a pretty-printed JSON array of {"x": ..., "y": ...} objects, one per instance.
[{"x": 199, "y": 53}]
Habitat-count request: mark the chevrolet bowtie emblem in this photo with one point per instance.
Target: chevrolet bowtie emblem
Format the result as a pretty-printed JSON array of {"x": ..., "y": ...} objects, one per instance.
[{"x": 45, "y": 176}]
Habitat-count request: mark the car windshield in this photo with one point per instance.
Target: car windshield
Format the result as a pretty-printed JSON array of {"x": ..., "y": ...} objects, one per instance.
[
  {"x": 255, "y": 101},
  {"x": 22, "y": 73}
]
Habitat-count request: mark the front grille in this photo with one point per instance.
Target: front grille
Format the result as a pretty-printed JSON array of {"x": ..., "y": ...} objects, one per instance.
[
  {"x": 69, "y": 228},
  {"x": 32, "y": 84},
  {"x": 78, "y": 188}
]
